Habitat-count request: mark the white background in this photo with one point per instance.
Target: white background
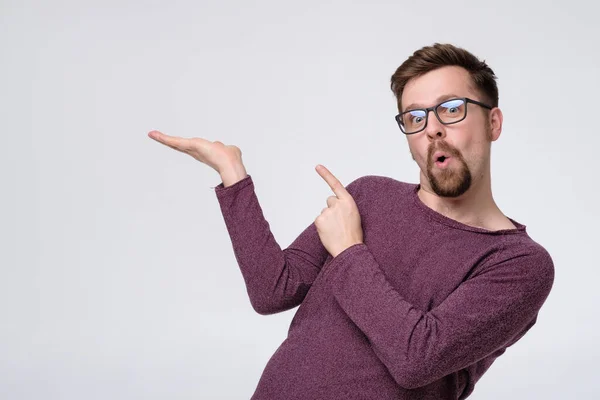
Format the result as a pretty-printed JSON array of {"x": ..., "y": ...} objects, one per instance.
[{"x": 117, "y": 275}]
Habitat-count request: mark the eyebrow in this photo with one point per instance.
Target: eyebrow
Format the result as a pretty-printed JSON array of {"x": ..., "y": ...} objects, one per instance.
[{"x": 439, "y": 99}]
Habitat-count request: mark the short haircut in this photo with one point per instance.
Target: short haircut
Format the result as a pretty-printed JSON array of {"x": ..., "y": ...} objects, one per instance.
[{"x": 430, "y": 58}]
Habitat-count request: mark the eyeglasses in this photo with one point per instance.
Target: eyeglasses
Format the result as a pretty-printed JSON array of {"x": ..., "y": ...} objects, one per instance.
[{"x": 448, "y": 112}]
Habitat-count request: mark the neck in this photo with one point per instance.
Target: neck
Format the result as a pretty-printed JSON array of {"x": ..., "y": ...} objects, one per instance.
[{"x": 475, "y": 207}]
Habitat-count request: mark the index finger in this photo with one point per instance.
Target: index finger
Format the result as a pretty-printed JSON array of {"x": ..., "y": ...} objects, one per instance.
[{"x": 332, "y": 181}]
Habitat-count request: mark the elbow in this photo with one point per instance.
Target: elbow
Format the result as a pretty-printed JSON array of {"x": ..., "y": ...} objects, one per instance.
[
  {"x": 261, "y": 303},
  {"x": 267, "y": 307},
  {"x": 410, "y": 383},
  {"x": 265, "y": 304},
  {"x": 414, "y": 375},
  {"x": 407, "y": 381},
  {"x": 263, "y": 310},
  {"x": 262, "y": 307}
]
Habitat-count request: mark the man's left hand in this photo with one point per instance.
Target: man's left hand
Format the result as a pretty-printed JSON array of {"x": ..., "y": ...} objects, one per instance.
[{"x": 339, "y": 224}]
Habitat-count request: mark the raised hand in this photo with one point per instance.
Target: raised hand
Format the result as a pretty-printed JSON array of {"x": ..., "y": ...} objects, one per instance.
[{"x": 225, "y": 159}]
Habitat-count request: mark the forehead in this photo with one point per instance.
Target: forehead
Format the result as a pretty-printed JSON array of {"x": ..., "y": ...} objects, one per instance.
[{"x": 425, "y": 90}]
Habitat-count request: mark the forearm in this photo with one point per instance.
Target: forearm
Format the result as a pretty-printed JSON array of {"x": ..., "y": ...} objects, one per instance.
[
  {"x": 276, "y": 280},
  {"x": 484, "y": 315}
]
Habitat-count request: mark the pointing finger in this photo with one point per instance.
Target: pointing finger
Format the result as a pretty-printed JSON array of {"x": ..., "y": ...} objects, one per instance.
[{"x": 332, "y": 181}]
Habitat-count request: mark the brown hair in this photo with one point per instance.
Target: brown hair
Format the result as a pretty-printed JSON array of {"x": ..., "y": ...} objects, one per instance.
[{"x": 439, "y": 55}]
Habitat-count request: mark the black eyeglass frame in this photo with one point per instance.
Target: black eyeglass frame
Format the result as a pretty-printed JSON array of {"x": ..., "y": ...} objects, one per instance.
[{"x": 434, "y": 109}]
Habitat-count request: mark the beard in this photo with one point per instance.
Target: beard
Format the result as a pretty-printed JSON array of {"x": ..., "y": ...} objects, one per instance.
[
  {"x": 455, "y": 179},
  {"x": 452, "y": 181}
]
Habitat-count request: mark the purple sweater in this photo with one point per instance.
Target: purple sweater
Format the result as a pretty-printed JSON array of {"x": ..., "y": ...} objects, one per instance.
[{"x": 420, "y": 310}]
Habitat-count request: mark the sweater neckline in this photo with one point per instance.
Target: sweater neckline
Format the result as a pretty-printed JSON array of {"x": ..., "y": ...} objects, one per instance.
[{"x": 431, "y": 213}]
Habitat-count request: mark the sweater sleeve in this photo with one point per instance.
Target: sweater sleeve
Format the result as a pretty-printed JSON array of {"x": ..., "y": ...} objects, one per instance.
[
  {"x": 276, "y": 280},
  {"x": 489, "y": 311}
]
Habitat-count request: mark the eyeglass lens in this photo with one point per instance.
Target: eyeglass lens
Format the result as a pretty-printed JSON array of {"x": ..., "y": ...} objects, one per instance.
[{"x": 449, "y": 112}]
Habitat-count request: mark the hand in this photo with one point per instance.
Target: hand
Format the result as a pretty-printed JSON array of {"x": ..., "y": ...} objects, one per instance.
[
  {"x": 339, "y": 224},
  {"x": 215, "y": 154}
]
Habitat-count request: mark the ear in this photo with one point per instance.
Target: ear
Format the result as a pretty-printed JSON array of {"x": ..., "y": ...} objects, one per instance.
[{"x": 495, "y": 122}]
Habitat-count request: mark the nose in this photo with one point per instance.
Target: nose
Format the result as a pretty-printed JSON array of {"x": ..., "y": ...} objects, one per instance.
[{"x": 435, "y": 129}]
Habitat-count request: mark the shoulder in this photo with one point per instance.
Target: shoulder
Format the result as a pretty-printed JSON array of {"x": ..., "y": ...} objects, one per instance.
[
  {"x": 522, "y": 257},
  {"x": 523, "y": 246},
  {"x": 378, "y": 183}
]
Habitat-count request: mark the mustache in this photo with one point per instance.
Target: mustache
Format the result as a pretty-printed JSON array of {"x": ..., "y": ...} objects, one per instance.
[{"x": 441, "y": 146}]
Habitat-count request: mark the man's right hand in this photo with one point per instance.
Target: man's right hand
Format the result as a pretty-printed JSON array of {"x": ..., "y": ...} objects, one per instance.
[{"x": 225, "y": 159}]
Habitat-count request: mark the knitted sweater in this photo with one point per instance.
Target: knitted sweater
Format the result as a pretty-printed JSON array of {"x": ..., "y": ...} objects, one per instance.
[{"x": 419, "y": 310}]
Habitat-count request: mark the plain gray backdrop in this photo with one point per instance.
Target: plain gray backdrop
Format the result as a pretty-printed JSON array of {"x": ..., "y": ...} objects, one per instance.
[{"x": 117, "y": 275}]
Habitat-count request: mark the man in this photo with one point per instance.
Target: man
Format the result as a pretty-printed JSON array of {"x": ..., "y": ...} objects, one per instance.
[{"x": 406, "y": 291}]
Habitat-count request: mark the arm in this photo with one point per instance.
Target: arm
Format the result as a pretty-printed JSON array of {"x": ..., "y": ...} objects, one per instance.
[
  {"x": 276, "y": 280},
  {"x": 487, "y": 312}
]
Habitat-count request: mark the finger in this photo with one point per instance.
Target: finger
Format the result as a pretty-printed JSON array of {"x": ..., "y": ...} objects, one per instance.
[
  {"x": 174, "y": 142},
  {"x": 332, "y": 181}
]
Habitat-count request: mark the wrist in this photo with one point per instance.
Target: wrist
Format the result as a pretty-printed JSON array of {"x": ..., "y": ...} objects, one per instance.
[{"x": 232, "y": 174}]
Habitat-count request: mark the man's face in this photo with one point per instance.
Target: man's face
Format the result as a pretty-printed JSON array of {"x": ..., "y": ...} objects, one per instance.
[{"x": 467, "y": 143}]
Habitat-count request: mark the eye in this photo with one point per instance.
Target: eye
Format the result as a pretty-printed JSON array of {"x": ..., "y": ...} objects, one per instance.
[
  {"x": 452, "y": 107},
  {"x": 416, "y": 117}
]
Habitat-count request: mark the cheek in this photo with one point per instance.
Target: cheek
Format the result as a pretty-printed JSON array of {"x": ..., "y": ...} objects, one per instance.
[
  {"x": 418, "y": 152},
  {"x": 475, "y": 153},
  {"x": 468, "y": 153},
  {"x": 471, "y": 143},
  {"x": 417, "y": 148}
]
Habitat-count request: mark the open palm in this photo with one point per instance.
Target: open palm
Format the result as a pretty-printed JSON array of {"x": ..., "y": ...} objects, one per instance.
[{"x": 214, "y": 154}]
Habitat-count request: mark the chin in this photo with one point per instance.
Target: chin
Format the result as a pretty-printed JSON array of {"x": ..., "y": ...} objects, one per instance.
[
  {"x": 450, "y": 192},
  {"x": 450, "y": 183}
]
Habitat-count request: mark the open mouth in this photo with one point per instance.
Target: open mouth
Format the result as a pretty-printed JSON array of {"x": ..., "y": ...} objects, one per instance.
[{"x": 442, "y": 161}]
